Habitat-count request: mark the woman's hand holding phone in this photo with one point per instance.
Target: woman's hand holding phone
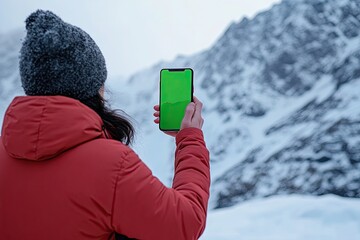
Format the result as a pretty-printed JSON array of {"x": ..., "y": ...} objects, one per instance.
[{"x": 192, "y": 118}]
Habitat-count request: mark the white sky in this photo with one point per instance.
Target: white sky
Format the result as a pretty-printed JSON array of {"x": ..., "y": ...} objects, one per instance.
[{"x": 134, "y": 34}]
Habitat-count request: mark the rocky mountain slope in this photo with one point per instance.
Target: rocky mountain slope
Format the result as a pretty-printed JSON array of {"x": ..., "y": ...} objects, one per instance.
[{"x": 282, "y": 104}]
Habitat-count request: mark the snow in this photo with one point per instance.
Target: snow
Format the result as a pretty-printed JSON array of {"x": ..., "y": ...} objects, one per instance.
[{"x": 291, "y": 217}]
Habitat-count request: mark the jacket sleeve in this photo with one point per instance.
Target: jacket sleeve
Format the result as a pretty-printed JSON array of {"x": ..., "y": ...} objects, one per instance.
[{"x": 146, "y": 209}]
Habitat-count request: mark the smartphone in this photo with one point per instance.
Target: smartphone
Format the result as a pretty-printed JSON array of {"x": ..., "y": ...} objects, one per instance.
[{"x": 176, "y": 92}]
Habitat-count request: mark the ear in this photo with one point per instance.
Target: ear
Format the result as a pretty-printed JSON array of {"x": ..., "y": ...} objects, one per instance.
[{"x": 102, "y": 90}]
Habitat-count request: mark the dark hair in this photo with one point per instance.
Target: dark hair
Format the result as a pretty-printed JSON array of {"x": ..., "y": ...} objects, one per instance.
[{"x": 116, "y": 124}]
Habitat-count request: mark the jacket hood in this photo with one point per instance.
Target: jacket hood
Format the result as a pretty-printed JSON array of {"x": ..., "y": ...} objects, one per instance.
[{"x": 38, "y": 128}]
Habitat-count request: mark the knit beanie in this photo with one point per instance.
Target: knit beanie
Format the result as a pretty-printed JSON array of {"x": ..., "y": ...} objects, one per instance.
[{"x": 57, "y": 58}]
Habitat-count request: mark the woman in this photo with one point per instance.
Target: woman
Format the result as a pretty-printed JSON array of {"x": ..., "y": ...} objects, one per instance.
[{"x": 66, "y": 171}]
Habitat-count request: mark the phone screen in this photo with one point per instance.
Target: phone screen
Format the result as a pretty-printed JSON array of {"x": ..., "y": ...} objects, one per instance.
[{"x": 176, "y": 92}]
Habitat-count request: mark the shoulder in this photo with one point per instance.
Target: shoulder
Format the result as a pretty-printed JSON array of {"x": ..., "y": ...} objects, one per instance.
[
  {"x": 110, "y": 144},
  {"x": 102, "y": 153},
  {"x": 108, "y": 147}
]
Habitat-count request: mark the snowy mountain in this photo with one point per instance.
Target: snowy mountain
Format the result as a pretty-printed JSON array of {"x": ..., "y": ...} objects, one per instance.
[
  {"x": 282, "y": 108},
  {"x": 281, "y": 103},
  {"x": 10, "y": 84}
]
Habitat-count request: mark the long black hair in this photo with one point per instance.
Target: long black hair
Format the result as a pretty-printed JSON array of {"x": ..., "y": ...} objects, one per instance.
[{"x": 116, "y": 122}]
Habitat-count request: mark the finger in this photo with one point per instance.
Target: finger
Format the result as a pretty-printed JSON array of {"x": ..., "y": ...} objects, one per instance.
[
  {"x": 198, "y": 108},
  {"x": 189, "y": 112},
  {"x": 157, "y": 121},
  {"x": 157, "y": 108},
  {"x": 195, "y": 99},
  {"x": 156, "y": 114}
]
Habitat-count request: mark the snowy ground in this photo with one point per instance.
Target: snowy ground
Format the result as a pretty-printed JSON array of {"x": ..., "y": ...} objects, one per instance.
[{"x": 287, "y": 218}]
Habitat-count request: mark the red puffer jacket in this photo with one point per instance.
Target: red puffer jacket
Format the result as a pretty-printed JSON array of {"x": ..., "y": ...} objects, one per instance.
[{"x": 60, "y": 178}]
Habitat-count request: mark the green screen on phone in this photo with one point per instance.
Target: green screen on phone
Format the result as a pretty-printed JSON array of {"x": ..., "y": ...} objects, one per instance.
[{"x": 176, "y": 90}]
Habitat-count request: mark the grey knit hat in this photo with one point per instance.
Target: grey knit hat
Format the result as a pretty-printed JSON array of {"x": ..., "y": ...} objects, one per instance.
[{"x": 57, "y": 58}]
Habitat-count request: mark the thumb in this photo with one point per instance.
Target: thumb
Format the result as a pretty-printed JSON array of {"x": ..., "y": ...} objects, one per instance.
[{"x": 189, "y": 112}]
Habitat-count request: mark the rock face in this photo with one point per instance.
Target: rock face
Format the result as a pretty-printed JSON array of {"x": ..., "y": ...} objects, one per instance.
[{"x": 281, "y": 103}]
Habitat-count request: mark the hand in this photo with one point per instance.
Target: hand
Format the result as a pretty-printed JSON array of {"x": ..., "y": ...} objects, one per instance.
[
  {"x": 192, "y": 118},
  {"x": 157, "y": 121}
]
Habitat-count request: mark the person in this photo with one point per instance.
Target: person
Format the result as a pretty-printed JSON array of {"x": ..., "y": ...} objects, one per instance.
[{"x": 66, "y": 168}]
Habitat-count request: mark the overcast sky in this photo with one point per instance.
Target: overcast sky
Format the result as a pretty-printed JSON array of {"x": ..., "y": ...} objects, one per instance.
[{"x": 134, "y": 34}]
